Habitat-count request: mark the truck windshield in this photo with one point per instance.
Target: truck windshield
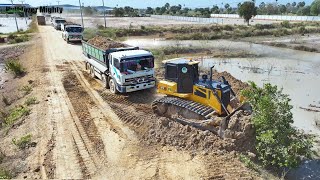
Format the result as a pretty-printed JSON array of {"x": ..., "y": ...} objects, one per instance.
[
  {"x": 137, "y": 64},
  {"x": 60, "y": 21},
  {"x": 74, "y": 29}
]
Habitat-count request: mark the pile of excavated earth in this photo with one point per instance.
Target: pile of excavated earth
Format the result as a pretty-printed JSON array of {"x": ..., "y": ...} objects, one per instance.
[
  {"x": 239, "y": 136},
  {"x": 105, "y": 43}
]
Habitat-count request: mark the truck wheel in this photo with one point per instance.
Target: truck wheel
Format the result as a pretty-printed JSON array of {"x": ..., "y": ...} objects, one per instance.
[
  {"x": 68, "y": 40},
  {"x": 112, "y": 86},
  {"x": 92, "y": 72},
  {"x": 86, "y": 66},
  {"x": 105, "y": 80}
]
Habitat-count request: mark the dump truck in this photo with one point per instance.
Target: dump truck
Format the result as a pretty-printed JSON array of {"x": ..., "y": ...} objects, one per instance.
[
  {"x": 202, "y": 102},
  {"x": 71, "y": 32},
  {"x": 57, "y": 23},
  {"x": 41, "y": 20},
  {"x": 122, "y": 68}
]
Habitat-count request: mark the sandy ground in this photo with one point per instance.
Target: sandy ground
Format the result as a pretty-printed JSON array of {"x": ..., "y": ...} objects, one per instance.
[{"x": 81, "y": 130}]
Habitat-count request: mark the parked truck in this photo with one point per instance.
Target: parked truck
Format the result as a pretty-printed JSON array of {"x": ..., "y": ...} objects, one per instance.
[
  {"x": 122, "y": 69},
  {"x": 41, "y": 20},
  {"x": 57, "y": 23},
  {"x": 71, "y": 32}
]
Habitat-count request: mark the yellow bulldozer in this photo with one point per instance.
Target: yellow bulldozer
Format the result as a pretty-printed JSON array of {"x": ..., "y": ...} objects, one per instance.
[{"x": 204, "y": 103}]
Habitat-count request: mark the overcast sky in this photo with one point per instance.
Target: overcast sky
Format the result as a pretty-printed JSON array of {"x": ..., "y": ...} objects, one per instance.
[{"x": 145, "y": 3}]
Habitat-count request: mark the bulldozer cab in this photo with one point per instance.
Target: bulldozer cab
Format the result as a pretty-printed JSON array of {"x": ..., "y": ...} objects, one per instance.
[{"x": 184, "y": 72}]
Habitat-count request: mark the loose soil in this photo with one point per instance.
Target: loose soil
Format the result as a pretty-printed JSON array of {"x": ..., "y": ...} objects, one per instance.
[{"x": 105, "y": 43}]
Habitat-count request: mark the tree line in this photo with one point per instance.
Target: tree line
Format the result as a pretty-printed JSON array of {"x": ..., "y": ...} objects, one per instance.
[{"x": 298, "y": 8}]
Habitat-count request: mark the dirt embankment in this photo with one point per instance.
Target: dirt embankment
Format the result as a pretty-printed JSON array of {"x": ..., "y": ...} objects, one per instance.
[{"x": 23, "y": 108}]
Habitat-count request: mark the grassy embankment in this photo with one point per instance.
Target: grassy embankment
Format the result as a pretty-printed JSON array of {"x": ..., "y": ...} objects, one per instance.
[
  {"x": 20, "y": 36},
  {"x": 211, "y": 32}
]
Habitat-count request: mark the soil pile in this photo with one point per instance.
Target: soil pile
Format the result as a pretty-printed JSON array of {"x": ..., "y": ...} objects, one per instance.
[
  {"x": 105, "y": 43},
  {"x": 236, "y": 84}
]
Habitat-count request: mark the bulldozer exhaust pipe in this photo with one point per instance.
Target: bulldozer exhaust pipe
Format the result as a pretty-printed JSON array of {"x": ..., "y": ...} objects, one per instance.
[{"x": 211, "y": 73}]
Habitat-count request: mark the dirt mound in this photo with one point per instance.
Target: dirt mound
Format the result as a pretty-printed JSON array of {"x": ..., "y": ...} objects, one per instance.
[
  {"x": 70, "y": 23},
  {"x": 105, "y": 43},
  {"x": 236, "y": 84},
  {"x": 11, "y": 52}
]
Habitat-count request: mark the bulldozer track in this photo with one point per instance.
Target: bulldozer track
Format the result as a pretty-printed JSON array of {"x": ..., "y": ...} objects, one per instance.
[{"x": 197, "y": 108}]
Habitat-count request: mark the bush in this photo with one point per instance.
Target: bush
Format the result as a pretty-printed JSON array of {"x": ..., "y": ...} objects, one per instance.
[
  {"x": 277, "y": 142},
  {"x": 305, "y": 48},
  {"x": 15, "y": 67},
  {"x": 26, "y": 89},
  {"x": 16, "y": 114},
  {"x": 23, "y": 142},
  {"x": 31, "y": 100},
  {"x": 4, "y": 174},
  {"x": 285, "y": 24}
]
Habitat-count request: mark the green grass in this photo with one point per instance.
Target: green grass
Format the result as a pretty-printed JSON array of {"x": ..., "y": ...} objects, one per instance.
[
  {"x": 4, "y": 174},
  {"x": 23, "y": 141},
  {"x": 18, "y": 39},
  {"x": 15, "y": 114},
  {"x": 30, "y": 101},
  {"x": 26, "y": 89},
  {"x": 15, "y": 67}
]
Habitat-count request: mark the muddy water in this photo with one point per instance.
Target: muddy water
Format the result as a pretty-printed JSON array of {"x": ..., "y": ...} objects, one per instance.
[{"x": 9, "y": 25}]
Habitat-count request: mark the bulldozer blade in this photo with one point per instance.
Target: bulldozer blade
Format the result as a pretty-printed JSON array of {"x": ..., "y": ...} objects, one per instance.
[{"x": 225, "y": 121}]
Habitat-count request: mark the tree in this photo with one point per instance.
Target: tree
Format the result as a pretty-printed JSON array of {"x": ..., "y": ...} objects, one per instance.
[
  {"x": 247, "y": 10},
  {"x": 149, "y": 10},
  {"x": 215, "y": 9},
  {"x": 167, "y": 5},
  {"x": 301, "y": 4},
  {"x": 278, "y": 143},
  {"x": 293, "y": 4},
  {"x": 315, "y": 7},
  {"x": 283, "y": 9},
  {"x": 118, "y": 12},
  {"x": 304, "y": 11}
]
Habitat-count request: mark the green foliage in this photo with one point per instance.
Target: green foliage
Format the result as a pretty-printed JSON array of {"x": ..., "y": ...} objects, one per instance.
[
  {"x": 247, "y": 10},
  {"x": 4, "y": 174},
  {"x": 15, "y": 114},
  {"x": 26, "y": 89},
  {"x": 15, "y": 67},
  {"x": 277, "y": 142},
  {"x": 315, "y": 8},
  {"x": 22, "y": 142},
  {"x": 285, "y": 24},
  {"x": 30, "y": 101}
]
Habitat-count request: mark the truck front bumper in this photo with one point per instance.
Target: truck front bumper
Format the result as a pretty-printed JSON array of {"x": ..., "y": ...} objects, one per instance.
[{"x": 136, "y": 87}]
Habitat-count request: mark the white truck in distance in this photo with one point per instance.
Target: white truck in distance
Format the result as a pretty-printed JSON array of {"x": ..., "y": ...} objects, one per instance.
[
  {"x": 71, "y": 32},
  {"x": 124, "y": 69},
  {"x": 57, "y": 23}
]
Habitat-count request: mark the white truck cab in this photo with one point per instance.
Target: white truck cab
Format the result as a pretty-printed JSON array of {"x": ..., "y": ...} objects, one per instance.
[
  {"x": 72, "y": 32},
  {"x": 131, "y": 70}
]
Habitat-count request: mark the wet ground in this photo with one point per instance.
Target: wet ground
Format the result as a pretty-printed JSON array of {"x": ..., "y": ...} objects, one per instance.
[{"x": 9, "y": 25}]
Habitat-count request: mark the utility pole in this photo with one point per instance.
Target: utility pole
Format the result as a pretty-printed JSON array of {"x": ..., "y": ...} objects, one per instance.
[
  {"x": 15, "y": 16},
  {"x": 81, "y": 14},
  {"x": 104, "y": 15},
  {"x": 24, "y": 12},
  {"x": 58, "y": 5}
]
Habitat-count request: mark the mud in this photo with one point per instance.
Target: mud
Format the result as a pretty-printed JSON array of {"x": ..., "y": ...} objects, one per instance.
[
  {"x": 82, "y": 102},
  {"x": 105, "y": 43},
  {"x": 48, "y": 159},
  {"x": 11, "y": 52}
]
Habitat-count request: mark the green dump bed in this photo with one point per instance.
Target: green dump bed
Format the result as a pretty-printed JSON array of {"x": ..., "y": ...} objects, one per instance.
[{"x": 101, "y": 55}]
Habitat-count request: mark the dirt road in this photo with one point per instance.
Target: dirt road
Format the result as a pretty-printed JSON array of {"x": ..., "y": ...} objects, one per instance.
[{"x": 95, "y": 134}]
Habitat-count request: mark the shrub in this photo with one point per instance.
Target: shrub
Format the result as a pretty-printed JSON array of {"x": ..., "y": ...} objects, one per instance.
[
  {"x": 305, "y": 48},
  {"x": 23, "y": 142},
  {"x": 26, "y": 89},
  {"x": 16, "y": 114},
  {"x": 15, "y": 67},
  {"x": 285, "y": 24},
  {"x": 31, "y": 100},
  {"x": 277, "y": 142},
  {"x": 4, "y": 174}
]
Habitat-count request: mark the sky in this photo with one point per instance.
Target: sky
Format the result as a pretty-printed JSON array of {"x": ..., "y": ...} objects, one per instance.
[{"x": 147, "y": 3}]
